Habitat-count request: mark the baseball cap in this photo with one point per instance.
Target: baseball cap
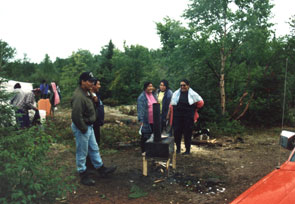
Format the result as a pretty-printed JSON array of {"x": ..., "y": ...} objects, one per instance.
[{"x": 87, "y": 76}]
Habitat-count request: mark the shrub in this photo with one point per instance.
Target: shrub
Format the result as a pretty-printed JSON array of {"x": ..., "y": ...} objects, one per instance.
[
  {"x": 113, "y": 134},
  {"x": 59, "y": 127},
  {"x": 27, "y": 174},
  {"x": 111, "y": 102},
  {"x": 226, "y": 127}
]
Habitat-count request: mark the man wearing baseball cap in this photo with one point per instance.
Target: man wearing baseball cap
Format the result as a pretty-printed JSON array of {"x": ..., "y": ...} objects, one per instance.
[{"x": 83, "y": 117}]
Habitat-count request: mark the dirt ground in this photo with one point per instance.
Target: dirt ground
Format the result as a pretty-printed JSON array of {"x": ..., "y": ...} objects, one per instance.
[{"x": 212, "y": 174}]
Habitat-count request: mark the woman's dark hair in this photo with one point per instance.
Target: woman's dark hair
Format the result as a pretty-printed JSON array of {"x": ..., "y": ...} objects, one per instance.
[
  {"x": 165, "y": 82},
  {"x": 185, "y": 81},
  {"x": 17, "y": 86},
  {"x": 146, "y": 84}
]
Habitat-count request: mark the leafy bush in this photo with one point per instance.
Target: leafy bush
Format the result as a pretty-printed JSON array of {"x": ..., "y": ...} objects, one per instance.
[
  {"x": 112, "y": 134},
  {"x": 226, "y": 127},
  {"x": 111, "y": 102},
  {"x": 59, "y": 128},
  {"x": 27, "y": 173},
  {"x": 137, "y": 192},
  {"x": 6, "y": 111}
]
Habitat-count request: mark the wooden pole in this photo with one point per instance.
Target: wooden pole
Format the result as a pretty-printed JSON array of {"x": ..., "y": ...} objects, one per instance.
[
  {"x": 144, "y": 165},
  {"x": 174, "y": 160}
]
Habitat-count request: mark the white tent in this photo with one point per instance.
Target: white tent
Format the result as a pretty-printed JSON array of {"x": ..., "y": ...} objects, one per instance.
[{"x": 25, "y": 86}]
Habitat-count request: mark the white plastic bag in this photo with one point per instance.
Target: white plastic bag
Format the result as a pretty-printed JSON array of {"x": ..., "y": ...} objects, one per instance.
[{"x": 139, "y": 131}]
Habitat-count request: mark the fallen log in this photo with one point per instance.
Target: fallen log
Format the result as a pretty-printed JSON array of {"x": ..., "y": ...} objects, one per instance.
[{"x": 212, "y": 142}]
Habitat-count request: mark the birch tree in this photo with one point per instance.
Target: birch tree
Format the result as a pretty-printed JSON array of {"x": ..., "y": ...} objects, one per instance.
[{"x": 228, "y": 24}]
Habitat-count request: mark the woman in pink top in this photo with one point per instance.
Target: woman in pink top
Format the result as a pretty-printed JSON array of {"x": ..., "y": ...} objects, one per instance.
[{"x": 145, "y": 103}]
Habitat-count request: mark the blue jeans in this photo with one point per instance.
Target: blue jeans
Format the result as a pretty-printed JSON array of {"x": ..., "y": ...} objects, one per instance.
[{"x": 86, "y": 144}]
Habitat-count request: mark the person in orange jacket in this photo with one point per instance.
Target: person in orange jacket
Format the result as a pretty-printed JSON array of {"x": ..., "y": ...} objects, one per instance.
[{"x": 183, "y": 113}]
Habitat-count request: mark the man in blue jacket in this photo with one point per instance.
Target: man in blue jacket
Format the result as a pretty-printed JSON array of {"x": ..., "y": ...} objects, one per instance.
[{"x": 99, "y": 108}]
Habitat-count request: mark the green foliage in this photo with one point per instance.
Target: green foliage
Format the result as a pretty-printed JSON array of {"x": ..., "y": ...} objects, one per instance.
[
  {"x": 46, "y": 71},
  {"x": 217, "y": 32},
  {"x": 105, "y": 69},
  {"x": 27, "y": 176},
  {"x": 27, "y": 173},
  {"x": 54, "y": 125},
  {"x": 111, "y": 102},
  {"x": 237, "y": 33},
  {"x": 5, "y": 108},
  {"x": 226, "y": 126},
  {"x": 79, "y": 62},
  {"x": 292, "y": 25},
  {"x": 136, "y": 192},
  {"x": 20, "y": 70},
  {"x": 130, "y": 67},
  {"x": 113, "y": 134},
  {"x": 6, "y": 54},
  {"x": 170, "y": 33}
]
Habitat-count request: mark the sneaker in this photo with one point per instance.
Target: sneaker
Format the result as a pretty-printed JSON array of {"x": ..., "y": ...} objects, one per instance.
[
  {"x": 104, "y": 171},
  {"x": 86, "y": 180}
]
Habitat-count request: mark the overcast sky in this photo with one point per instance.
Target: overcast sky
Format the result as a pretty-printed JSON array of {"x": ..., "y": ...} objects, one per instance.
[{"x": 59, "y": 27}]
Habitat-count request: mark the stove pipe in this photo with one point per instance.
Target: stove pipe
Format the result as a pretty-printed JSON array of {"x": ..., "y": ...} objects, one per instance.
[{"x": 157, "y": 122}]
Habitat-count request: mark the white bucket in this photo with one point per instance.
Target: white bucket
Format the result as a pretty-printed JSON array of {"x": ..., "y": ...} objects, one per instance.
[{"x": 42, "y": 116}]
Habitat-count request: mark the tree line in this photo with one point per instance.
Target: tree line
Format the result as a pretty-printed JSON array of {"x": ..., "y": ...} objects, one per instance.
[{"x": 228, "y": 51}]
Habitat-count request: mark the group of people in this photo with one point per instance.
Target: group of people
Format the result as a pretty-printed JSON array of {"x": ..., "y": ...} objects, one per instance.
[
  {"x": 179, "y": 109},
  {"x": 51, "y": 92},
  {"x": 25, "y": 101}
]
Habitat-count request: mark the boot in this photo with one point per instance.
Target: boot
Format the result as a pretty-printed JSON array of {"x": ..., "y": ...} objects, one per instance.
[
  {"x": 104, "y": 171},
  {"x": 85, "y": 179}
]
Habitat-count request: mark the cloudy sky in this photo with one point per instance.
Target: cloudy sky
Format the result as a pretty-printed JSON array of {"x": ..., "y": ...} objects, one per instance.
[{"x": 59, "y": 27}]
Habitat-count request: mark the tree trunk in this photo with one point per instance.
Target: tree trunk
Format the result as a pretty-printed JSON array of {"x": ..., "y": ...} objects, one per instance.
[
  {"x": 245, "y": 109},
  {"x": 221, "y": 83},
  {"x": 222, "y": 94}
]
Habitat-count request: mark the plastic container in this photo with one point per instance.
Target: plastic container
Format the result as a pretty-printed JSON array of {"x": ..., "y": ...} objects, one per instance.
[{"x": 42, "y": 116}]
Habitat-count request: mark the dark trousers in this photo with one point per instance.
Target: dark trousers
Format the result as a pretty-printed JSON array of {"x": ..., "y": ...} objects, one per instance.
[
  {"x": 163, "y": 126},
  {"x": 19, "y": 115},
  {"x": 144, "y": 138},
  {"x": 96, "y": 129},
  {"x": 22, "y": 118},
  {"x": 183, "y": 126}
]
